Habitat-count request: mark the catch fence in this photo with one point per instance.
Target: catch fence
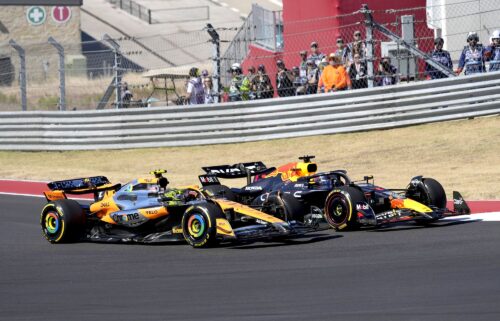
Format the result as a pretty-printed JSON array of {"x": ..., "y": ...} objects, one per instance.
[{"x": 94, "y": 69}]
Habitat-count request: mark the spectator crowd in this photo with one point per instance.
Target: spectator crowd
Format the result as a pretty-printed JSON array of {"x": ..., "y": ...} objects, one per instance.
[{"x": 343, "y": 69}]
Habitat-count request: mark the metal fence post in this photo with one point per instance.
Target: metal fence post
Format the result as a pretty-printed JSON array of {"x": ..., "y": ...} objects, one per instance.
[
  {"x": 117, "y": 68},
  {"x": 22, "y": 72},
  {"x": 216, "y": 59},
  {"x": 62, "y": 81},
  {"x": 370, "y": 52}
]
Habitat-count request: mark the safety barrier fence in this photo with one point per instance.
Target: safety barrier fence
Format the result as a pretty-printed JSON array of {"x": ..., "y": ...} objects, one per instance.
[{"x": 365, "y": 109}]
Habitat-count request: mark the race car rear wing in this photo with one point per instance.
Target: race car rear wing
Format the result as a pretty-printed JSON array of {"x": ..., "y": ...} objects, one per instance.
[
  {"x": 240, "y": 170},
  {"x": 86, "y": 185},
  {"x": 237, "y": 170}
]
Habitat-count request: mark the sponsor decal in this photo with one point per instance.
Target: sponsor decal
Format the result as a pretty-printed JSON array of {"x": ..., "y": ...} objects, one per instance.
[
  {"x": 151, "y": 212},
  {"x": 459, "y": 201},
  {"x": 297, "y": 194},
  {"x": 253, "y": 188},
  {"x": 105, "y": 204},
  {"x": 362, "y": 206}
]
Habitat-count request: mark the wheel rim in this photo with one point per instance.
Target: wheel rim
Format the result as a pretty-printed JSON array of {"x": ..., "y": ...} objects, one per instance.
[
  {"x": 52, "y": 223},
  {"x": 338, "y": 210},
  {"x": 196, "y": 225}
]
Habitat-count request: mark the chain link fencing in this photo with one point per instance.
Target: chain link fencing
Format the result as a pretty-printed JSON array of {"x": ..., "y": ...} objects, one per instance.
[{"x": 155, "y": 68}]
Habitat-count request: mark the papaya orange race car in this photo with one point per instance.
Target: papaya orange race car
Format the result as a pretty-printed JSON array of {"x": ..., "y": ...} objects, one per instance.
[{"x": 147, "y": 211}]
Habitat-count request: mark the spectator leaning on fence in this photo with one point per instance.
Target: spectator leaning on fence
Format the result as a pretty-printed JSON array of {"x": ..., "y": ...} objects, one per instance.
[
  {"x": 262, "y": 84},
  {"x": 195, "y": 92},
  {"x": 472, "y": 57},
  {"x": 236, "y": 81},
  {"x": 358, "y": 72},
  {"x": 316, "y": 55},
  {"x": 387, "y": 74},
  {"x": 493, "y": 51},
  {"x": 284, "y": 84},
  {"x": 334, "y": 77},
  {"x": 441, "y": 56}
]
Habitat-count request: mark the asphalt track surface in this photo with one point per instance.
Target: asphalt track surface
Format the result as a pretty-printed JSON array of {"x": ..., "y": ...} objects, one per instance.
[{"x": 447, "y": 272}]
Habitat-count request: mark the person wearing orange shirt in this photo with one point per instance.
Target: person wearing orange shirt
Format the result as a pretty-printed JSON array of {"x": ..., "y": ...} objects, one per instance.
[{"x": 334, "y": 77}]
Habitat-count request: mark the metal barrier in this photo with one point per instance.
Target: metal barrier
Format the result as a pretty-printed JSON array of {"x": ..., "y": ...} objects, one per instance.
[{"x": 356, "y": 110}]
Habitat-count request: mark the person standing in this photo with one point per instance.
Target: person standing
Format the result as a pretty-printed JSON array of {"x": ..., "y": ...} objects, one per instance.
[
  {"x": 343, "y": 52},
  {"x": 358, "y": 45},
  {"x": 246, "y": 85},
  {"x": 334, "y": 76},
  {"x": 493, "y": 51},
  {"x": 441, "y": 56},
  {"x": 284, "y": 84},
  {"x": 358, "y": 72},
  {"x": 472, "y": 57},
  {"x": 312, "y": 77},
  {"x": 195, "y": 92},
  {"x": 262, "y": 84},
  {"x": 316, "y": 55},
  {"x": 236, "y": 81}
]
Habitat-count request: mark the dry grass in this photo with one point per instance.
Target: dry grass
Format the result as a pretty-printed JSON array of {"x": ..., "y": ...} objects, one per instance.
[{"x": 462, "y": 155}]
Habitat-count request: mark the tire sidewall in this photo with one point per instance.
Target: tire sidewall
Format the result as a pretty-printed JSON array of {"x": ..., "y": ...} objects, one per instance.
[
  {"x": 199, "y": 225},
  {"x": 340, "y": 207},
  {"x": 70, "y": 221}
]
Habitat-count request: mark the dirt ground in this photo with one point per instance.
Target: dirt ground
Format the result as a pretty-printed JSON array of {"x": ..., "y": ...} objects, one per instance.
[{"x": 463, "y": 155}]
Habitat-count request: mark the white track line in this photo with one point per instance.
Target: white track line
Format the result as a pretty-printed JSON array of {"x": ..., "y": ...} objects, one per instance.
[{"x": 485, "y": 217}]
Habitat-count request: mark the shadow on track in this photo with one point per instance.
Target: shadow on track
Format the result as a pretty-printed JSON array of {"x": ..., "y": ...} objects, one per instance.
[
  {"x": 309, "y": 239},
  {"x": 405, "y": 227}
]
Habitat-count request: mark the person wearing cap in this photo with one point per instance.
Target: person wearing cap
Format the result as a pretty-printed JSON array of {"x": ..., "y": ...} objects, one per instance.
[
  {"x": 236, "y": 80},
  {"x": 358, "y": 45},
  {"x": 334, "y": 76},
  {"x": 343, "y": 51},
  {"x": 316, "y": 55},
  {"x": 312, "y": 77},
  {"x": 262, "y": 86},
  {"x": 493, "y": 51},
  {"x": 441, "y": 56},
  {"x": 246, "y": 84},
  {"x": 472, "y": 57},
  {"x": 284, "y": 84}
]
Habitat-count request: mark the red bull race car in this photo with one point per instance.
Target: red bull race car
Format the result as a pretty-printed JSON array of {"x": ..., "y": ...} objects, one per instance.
[{"x": 295, "y": 192}]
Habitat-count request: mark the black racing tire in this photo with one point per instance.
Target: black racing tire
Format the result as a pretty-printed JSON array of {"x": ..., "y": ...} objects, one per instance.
[
  {"x": 199, "y": 225},
  {"x": 340, "y": 208},
  {"x": 285, "y": 207},
  {"x": 63, "y": 221},
  {"x": 431, "y": 193},
  {"x": 220, "y": 191}
]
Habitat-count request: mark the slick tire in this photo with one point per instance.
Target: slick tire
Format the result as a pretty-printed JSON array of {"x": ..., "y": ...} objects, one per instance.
[
  {"x": 63, "y": 221},
  {"x": 340, "y": 208},
  {"x": 220, "y": 191},
  {"x": 199, "y": 225},
  {"x": 284, "y": 207},
  {"x": 431, "y": 194}
]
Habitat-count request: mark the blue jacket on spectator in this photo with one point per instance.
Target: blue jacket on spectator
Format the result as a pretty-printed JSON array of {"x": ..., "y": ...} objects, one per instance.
[
  {"x": 443, "y": 57},
  {"x": 494, "y": 57},
  {"x": 472, "y": 60}
]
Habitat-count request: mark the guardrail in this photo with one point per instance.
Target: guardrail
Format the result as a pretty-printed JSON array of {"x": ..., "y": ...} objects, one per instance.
[{"x": 357, "y": 110}]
